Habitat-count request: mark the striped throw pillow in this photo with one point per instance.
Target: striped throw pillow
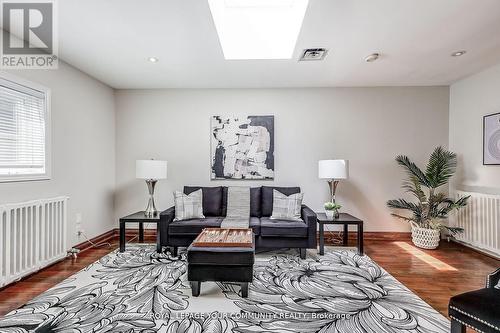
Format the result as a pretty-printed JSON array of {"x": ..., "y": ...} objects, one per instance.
[
  {"x": 188, "y": 206},
  {"x": 286, "y": 207}
]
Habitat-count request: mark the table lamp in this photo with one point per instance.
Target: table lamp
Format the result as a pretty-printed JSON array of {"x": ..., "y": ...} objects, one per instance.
[
  {"x": 333, "y": 170},
  {"x": 151, "y": 171}
]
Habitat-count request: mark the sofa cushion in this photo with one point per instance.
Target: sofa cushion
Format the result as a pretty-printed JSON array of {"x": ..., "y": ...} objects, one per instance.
[
  {"x": 282, "y": 228},
  {"x": 267, "y": 197},
  {"x": 255, "y": 201},
  {"x": 287, "y": 207},
  {"x": 188, "y": 206},
  {"x": 211, "y": 199},
  {"x": 483, "y": 304},
  {"x": 193, "y": 226}
]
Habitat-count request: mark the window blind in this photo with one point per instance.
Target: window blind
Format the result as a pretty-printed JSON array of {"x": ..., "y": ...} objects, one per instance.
[{"x": 22, "y": 130}]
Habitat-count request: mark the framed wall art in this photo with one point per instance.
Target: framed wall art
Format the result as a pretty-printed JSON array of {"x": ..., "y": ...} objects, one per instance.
[
  {"x": 242, "y": 147},
  {"x": 491, "y": 139}
]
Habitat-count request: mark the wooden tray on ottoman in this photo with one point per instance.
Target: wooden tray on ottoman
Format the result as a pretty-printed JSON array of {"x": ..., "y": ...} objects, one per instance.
[{"x": 222, "y": 237}]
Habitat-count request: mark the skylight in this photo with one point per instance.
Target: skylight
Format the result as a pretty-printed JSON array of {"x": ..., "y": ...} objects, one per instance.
[{"x": 258, "y": 29}]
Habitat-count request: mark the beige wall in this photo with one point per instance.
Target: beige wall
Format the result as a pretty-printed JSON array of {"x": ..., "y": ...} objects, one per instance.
[
  {"x": 83, "y": 150},
  {"x": 368, "y": 126},
  {"x": 470, "y": 100}
]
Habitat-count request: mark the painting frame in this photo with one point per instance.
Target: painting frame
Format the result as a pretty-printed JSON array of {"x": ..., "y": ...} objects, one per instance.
[
  {"x": 490, "y": 134},
  {"x": 242, "y": 147}
]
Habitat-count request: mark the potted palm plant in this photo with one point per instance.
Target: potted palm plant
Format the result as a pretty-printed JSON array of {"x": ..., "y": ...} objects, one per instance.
[{"x": 432, "y": 206}]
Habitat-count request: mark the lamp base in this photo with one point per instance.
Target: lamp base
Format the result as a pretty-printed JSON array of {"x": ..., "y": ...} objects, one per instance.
[
  {"x": 151, "y": 210},
  {"x": 332, "y": 184}
]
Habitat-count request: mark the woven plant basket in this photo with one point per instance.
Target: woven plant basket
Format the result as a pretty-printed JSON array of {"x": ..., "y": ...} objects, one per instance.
[{"x": 425, "y": 238}]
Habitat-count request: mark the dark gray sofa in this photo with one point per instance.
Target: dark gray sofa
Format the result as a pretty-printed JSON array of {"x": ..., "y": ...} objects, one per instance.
[{"x": 269, "y": 233}]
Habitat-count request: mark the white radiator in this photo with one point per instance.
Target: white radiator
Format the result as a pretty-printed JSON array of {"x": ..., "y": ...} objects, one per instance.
[
  {"x": 32, "y": 236},
  {"x": 481, "y": 221}
]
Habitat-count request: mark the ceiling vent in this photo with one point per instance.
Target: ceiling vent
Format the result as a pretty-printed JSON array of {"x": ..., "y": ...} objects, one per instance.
[{"x": 313, "y": 54}]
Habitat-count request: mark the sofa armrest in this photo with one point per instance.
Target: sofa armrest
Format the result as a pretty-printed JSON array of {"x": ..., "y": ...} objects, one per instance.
[
  {"x": 493, "y": 279},
  {"x": 166, "y": 217},
  {"x": 310, "y": 218}
]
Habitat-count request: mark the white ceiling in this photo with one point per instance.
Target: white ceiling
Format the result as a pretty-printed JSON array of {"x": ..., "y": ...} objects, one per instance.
[{"x": 112, "y": 40}]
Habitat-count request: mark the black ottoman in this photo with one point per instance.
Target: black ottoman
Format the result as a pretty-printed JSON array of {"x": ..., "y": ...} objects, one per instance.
[{"x": 223, "y": 264}]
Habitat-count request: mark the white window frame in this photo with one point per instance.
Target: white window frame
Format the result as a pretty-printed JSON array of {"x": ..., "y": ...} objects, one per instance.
[{"x": 48, "y": 131}]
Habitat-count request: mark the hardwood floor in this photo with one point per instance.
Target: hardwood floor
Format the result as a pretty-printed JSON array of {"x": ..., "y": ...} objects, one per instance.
[
  {"x": 434, "y": 285},
  {"x": 433, "y": 275},
  {"x": 17, "y": 294}
]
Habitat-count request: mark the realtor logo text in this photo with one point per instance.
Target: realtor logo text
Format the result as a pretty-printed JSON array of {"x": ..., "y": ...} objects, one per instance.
[{"x": 29, "y": 35}]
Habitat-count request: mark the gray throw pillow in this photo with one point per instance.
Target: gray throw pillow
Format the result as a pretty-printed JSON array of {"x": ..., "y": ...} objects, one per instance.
[
  {"x": 286, "y": 207},
  {"x": 188, "y": 206}
]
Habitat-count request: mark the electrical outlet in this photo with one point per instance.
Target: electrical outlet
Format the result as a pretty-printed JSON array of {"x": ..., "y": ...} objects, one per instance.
[{"x": 78, "y": 224}]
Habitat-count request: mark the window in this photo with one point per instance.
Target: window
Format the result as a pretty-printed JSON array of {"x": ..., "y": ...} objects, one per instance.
[{"x": 24, "y": 131}]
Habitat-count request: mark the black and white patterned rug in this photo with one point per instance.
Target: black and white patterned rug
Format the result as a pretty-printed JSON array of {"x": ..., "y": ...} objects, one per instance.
[{"x": 142, "y": 291}]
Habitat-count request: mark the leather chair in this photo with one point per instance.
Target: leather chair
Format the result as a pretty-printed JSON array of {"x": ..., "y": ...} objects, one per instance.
[{"x": 479, "y": 309}]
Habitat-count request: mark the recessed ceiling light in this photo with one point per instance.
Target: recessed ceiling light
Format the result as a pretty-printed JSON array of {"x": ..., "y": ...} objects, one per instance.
[
  {"x": 458, "y": 53},
  {"x": 258, "y": 29},
  {"x": 372, "y": 57},
  {"x": 152, "y": 59}
]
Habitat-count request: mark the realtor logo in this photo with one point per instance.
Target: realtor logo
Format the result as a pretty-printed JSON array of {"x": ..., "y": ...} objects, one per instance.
[{"x": 28, "y": 37}]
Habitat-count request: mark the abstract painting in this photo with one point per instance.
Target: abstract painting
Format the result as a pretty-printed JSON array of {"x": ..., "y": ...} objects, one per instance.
[
  {"x": 242, "y": 147},
  {"x": 491, "y": 139}
]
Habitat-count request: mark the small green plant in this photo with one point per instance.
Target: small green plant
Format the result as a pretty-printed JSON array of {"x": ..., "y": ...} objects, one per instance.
[{"x": 332, "y": 206}]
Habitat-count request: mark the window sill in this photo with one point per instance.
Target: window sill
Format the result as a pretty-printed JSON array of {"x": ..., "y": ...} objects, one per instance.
[{"x": 24, "y": 178}]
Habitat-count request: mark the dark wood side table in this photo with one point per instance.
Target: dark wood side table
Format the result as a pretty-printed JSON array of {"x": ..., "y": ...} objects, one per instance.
[
  {"x": 140, "y": 218},
  {"x": 343, "y": 219}
]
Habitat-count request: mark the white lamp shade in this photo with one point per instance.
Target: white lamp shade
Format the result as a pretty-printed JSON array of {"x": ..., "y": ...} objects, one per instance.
[
  {"x": 333, "y": 169},
  {"x": 150, "y": 169}
]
